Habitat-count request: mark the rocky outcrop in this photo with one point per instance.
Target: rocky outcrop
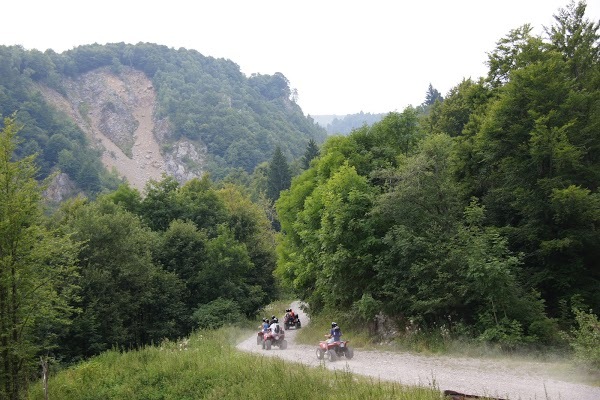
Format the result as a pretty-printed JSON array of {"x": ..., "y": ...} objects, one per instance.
[
  {"x": 184, "y": 160},
  {"x": 117, "y": 112},
  {"x": 60, "y": 188}
]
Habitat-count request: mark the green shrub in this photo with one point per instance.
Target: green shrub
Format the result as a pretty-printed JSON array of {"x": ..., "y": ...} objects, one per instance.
[
  {"x": 216, "y": 314},
  {"x": 507, "y": 333},
  {"x": 586, "y": 339}
]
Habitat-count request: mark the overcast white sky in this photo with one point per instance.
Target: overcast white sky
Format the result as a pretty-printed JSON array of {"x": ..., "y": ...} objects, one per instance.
[{"x": 343, "y": 57}]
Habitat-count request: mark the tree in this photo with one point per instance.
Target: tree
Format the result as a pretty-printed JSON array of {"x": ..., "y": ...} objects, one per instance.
[
  {"x": 126, "y": 299},
  {"x": 432, "y": 96},
  {"x": 312, "y": 151},
  {"x": 37, "y": 267},
  {"x": 536, "y": 155},
  {"x": 279, "y": 176},
  {"x": 518, "y": 49},
  {"x": 577, "y": 39},
  {"x": 160, "y": 205}
]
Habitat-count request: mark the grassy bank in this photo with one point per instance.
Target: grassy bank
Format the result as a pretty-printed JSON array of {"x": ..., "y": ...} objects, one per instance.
[{"x": 207, "y": 366}]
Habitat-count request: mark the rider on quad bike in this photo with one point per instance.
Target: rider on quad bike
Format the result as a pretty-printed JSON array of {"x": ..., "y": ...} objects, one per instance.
[
  {"x": 334, "y": 347},
  {"x": 264, "y": 328},
  {"x": 291, "y": 319},
  {"x": 275, "y": 336},
  {"x": 335, "y": 333}
]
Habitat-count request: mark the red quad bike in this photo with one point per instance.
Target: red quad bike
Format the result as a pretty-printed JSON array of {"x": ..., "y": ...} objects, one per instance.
[
  {"x": 274, "y": 339},
  {"x": 290, "y": 321},
  {"x": 335, "y": 350}
]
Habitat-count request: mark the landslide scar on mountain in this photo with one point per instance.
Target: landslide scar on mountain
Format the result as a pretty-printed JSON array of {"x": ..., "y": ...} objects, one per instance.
[{"x": 117, "y": 114}]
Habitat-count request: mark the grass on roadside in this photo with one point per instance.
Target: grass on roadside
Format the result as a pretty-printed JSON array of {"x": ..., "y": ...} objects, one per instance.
[{"x": 207, "y": 366}]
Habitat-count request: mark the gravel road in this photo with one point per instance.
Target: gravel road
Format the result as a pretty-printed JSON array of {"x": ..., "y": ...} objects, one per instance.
[{"x": 506, "y": 379}]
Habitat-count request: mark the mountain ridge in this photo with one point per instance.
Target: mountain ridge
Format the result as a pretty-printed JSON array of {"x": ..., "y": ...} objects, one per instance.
[{"x": 84, "y": 111}]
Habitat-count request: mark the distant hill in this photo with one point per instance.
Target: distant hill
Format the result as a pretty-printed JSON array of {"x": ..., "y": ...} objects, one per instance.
[
  {"x": 146, "y": 109},
  {"x": 325, "y": 120},
  {"x": 344, "y": 124}
]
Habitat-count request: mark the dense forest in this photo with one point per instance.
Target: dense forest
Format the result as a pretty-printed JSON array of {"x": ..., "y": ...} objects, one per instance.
[
  {"x": 475, "y": 214},
  {"x": 480, "y": 215},
  {"x": 121, "y": 271}
]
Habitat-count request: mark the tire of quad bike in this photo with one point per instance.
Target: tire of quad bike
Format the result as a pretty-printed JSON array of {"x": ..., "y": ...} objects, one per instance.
[
  {"x": 320, "y": 353},
  {"x": 349, "y": 353},
  {"x": 298, "y": 325},
  {"x": 283, "y": 344},
  {"x": 331, "y": 356},
  {"x": 263, "y": 344},
  {"x": 286, "y": 327},
  {"x": 258, "y": 339},
  {"x": 268, "y": 344}
]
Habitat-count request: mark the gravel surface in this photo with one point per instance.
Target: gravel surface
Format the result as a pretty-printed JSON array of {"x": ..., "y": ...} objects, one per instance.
[{"x": 502, "y": 379}]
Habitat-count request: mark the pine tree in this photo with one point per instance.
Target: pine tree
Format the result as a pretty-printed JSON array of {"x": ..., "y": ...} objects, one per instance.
[
  {"x": 279, "y": 176},
  {"x": 432, "y": 95},
  {"x": 312, "y": 151}
]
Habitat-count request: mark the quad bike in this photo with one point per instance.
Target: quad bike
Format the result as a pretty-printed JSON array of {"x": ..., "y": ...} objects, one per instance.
[
  {"x": 274, "y": 339},
  {"x": 290, "y": 321},
  {"x": 333, "y": 351}
]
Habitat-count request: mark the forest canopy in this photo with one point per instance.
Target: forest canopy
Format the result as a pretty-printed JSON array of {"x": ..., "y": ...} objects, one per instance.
[{"x": 482, "y": 213}]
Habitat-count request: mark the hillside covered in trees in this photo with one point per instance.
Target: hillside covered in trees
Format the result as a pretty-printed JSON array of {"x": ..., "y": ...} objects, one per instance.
[{"x": 234, "y": 120}]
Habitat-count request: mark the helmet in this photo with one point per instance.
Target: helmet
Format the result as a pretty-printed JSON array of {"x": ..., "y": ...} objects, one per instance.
[
  {"x": 275, "y": 320},
  {"x": 333, "y": 324},
  {"x": 273, "y": 317}
]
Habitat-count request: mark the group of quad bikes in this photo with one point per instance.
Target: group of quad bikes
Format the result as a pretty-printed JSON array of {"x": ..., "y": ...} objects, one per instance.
[{"x": 326, "y": 350}]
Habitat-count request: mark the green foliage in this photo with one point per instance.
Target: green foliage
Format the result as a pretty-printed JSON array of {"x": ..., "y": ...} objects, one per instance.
[
  {"x": 37, "y": 274},
  {"x": 432, "y": 96},
  {"x": 279, "y": 175},
  {"x": 513, "y": 52},
  {"x": 507, "y": 333},
  {"x": 367, "y": 307},
  {"x": 217, "y": 313},
  {"x": 576, "y": 38},
  {"x": 126, "y": 299},
  {"x": 484, "y": 212},
  {"x": 535, "y": 142},
  {"x": 586, "y": 339},
  {"x": 312, "y": 151}
]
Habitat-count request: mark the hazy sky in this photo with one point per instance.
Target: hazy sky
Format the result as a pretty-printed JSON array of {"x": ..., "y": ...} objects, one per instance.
[{"x": 343, "y": 57}]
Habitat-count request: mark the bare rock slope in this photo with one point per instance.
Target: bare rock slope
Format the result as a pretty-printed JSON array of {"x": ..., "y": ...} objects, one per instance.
[
  {"x": 117, "y": 112},
  {"x": 500, "y": 379}
]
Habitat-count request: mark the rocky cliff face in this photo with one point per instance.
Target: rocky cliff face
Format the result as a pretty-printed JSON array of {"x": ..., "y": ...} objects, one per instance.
[{"x": 117, "y": 114}]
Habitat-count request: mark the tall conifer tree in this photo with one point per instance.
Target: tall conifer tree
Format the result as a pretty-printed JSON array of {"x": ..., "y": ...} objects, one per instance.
[{"x": 279, "y": 176}]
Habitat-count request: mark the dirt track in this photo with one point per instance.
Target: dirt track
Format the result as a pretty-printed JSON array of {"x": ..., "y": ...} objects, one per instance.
[{"x": 507, "y": 380}]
